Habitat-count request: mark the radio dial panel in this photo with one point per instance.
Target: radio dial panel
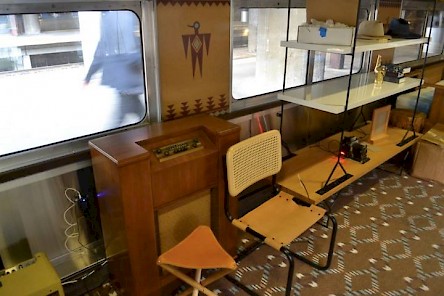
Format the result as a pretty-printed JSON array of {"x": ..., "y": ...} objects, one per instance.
[{"x": 180, "y": 148}]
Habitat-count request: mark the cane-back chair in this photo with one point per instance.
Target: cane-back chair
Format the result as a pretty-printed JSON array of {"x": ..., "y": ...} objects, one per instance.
[{"x": 282, "y": 218}]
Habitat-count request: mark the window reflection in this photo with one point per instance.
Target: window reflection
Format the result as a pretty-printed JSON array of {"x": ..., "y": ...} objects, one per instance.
[
  {"x": 258, "y": 57},
  {"x": 44, "y": 61},
  {"x": 117, "y": 58},
  {"x": 420, "y": 23}
]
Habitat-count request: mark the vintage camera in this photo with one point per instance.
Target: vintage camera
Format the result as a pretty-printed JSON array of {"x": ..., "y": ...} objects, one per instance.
[{"x": 351, "y": 148}]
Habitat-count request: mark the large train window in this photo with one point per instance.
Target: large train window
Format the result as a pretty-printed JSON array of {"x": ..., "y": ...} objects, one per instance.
[
  {"x": 258, "y": 59},
  {"x": 67, "y": 75}
]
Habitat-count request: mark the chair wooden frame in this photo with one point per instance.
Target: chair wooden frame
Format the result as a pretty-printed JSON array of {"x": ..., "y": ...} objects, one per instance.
[{"x": 253, "y": 160}]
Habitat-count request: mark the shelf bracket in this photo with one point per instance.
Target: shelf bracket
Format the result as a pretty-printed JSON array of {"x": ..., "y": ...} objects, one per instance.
[
  {"x": 361, "y": 114},
  {"x": 412, "y": 127},
  {"x": 328, "y": 186},
  {"x": 333, "y": 184},
  {"x": 406, "y": 140}
]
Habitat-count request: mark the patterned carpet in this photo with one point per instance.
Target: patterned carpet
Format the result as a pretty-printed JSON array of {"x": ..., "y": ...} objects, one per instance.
[{"x": 390, "y": 242}]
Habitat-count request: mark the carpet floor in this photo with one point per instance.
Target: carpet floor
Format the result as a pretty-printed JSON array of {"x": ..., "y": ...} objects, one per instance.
[{"x": 390, "y": 241}]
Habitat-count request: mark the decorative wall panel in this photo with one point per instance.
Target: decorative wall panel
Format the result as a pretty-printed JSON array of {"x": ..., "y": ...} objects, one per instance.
[{"x": 194, "y": 52}]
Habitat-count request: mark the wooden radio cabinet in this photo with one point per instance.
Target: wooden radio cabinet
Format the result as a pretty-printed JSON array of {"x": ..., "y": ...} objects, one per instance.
[{"x": 155, "y": 184}]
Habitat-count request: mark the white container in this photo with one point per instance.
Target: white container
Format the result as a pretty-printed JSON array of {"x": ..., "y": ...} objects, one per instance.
[{"x": 325, "y": 35}]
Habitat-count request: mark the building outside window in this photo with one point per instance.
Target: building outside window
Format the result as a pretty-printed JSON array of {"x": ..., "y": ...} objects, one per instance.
[{"x": 47, "y": 94}]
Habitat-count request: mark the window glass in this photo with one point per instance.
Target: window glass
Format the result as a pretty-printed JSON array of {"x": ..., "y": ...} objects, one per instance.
[
  {"x": 258, "y": 57},
  {"x": 435, "y": 31},
  {"x": 419, "y": 25},
  {"x": 68, "y": 75},
  {"x": 331, "y": 65}
]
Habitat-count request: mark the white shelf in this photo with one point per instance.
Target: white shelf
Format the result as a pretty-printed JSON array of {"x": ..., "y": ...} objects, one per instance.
[
  {"x": 361, "y": 45},
  {"x": 330, "y": 95}
]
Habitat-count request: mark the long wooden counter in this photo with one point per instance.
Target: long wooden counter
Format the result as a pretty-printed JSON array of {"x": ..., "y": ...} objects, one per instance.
[{"x": 313, "y": 164}]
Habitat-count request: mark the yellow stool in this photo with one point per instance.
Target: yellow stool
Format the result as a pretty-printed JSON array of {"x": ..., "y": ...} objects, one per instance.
[{"x": 199, "y": 250}]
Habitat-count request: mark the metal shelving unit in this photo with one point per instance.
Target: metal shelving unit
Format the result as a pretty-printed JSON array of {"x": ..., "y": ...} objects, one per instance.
[
  {"x": 341, "y": 94},
  {"x": 330, "y": 95}
]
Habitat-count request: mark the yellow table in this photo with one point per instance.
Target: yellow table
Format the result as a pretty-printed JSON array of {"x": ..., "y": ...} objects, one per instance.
[{"x": 313, "y": 164}]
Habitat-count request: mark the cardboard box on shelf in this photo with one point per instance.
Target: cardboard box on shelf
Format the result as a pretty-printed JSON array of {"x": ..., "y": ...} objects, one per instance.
[
  {"x": 326, "y": 35},
  {"x": 429, "y": 155},
  {"x": 402, "y": 118}
]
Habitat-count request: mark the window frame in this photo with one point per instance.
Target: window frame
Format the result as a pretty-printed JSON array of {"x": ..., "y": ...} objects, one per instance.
[{"x": 145, "y": 10}]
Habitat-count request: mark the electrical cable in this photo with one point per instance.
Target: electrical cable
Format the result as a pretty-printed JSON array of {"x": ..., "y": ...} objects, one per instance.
[
  {"x": 78, "y": 195},
  {"x": 78, "y": 237},
  {"x": 69, "y": 282},
  {"x": 328, "y": 149},
  {"x": 364, "y": 134},
  {"x": 71, "y": 231},
  {"x": 86, "y": 276},
  {"x": 303, "y": 185}
]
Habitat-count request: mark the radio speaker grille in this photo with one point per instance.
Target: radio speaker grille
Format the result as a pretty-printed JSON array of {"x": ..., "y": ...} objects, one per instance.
[{"x": 175, "y": 222}]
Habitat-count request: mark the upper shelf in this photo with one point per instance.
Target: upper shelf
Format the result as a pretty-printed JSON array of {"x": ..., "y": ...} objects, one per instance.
[
  {"x": 330, "y": 95},
  {"x": 361, "y": 45}
]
